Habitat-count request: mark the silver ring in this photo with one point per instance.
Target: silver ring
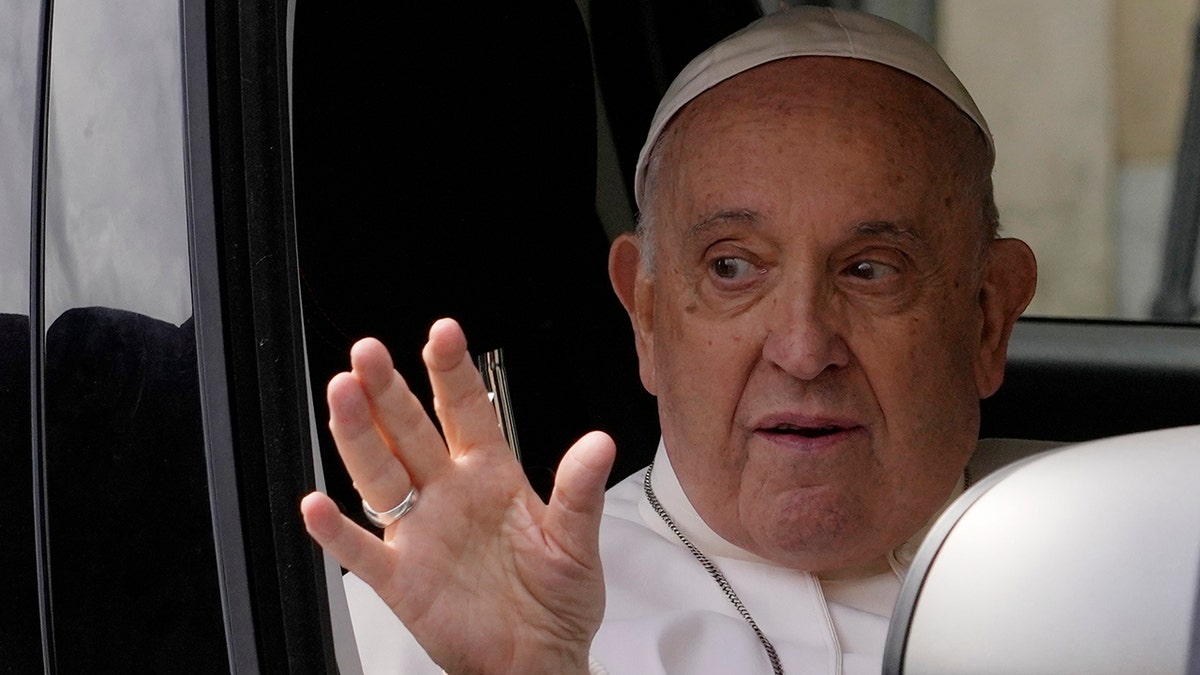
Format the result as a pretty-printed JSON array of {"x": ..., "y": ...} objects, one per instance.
[{"x": 382, "y": 519}]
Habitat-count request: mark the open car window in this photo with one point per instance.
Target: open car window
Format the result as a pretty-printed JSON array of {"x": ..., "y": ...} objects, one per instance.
[
  {"x": 454, "y": 211},
  {"x": 1097, "y": 156}
]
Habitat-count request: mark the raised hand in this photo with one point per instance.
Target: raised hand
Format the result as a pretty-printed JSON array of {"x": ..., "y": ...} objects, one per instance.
[{"x": 485, "y": 576}]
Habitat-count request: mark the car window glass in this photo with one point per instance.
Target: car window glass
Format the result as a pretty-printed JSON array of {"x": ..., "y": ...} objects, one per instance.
[
  {"x": 1087, "y": 104},
  {"x": 20, "y": 648},
  {"x": 18, "y": 100},
  {"x": 130, "y": 532},
  {"x": 119, "y": 99}
]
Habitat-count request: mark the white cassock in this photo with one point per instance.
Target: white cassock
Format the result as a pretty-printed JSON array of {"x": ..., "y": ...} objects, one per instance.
[{"x": 664, "y": 613}]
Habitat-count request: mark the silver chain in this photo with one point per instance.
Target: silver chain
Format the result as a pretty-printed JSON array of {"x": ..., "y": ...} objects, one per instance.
[{"x": 713, "y": 572}]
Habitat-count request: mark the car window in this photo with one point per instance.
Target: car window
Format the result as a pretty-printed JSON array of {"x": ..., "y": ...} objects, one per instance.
[
  {"x": 422, "y": 186},
  {"x": 21, "y": 647},
  {"x": 1087, "y": 104},
  {"x": 18, "y": 96},
  {"x": 1083, "y": 174},
  {"x": 130, "y": 564}
]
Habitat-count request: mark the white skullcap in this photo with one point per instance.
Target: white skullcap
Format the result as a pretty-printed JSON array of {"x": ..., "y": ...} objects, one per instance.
[{"x": 806, "y": 31}]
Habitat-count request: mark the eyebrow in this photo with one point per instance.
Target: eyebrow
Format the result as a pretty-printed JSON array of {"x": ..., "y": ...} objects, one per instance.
[
  {"x": 885, "y": 229},
  {"x": 722, "y": 217},
  {"x": 889, "y": 230}
]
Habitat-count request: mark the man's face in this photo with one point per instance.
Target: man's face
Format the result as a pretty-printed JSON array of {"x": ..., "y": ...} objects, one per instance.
[{"x": 815, "y": 309}]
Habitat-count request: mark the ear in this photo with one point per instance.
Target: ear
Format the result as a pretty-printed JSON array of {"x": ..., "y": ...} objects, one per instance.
[
  {"x": 1009, "y": 279},
  {"x": 634, "y": 286}
]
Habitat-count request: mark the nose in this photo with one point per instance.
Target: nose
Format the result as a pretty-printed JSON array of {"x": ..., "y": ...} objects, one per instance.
[{"x": 803, "y": 338}]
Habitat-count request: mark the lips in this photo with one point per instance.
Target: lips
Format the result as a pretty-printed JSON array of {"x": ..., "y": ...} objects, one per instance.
[{"x": 806, "y": 432}]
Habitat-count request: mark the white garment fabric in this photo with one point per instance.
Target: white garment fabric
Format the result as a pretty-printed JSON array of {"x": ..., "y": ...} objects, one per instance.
[{"x": 665, "y": 614}]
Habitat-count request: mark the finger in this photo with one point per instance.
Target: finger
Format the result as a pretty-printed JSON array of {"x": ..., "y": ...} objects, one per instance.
[
  {"x": 468, "y": 418},
  {"x": 397, "y": 412},
  {"x": 577, "y": 502},
  {"x": 378, "y": 475},
  {"x": 353, "y": 547}
]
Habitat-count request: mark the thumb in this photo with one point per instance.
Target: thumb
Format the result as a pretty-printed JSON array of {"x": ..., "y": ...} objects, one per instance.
[{"x": 577, "y": 502}]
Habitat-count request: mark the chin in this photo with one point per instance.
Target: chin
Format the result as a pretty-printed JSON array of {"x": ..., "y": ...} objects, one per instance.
[{"x": 810, "y": 536}]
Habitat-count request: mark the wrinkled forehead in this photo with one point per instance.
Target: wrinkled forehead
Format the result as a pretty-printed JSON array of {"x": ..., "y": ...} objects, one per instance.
[
  {"x": 836, "y": 131},
  {"x": 806, "y": 31}
]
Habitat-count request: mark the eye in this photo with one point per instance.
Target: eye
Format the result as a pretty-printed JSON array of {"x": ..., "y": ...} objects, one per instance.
[
  {"x": 871, "y": 270},
  {"x": 731, "y": 268}
]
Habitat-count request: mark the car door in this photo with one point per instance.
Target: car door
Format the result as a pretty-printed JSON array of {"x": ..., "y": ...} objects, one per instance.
[{"x": 156, "y": 423}]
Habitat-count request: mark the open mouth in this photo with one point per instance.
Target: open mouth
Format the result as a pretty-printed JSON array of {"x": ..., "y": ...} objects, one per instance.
[{"x": 803, "y": 432}]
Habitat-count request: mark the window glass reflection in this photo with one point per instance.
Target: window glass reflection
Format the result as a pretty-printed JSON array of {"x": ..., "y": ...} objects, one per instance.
[
  {"x": 18, "y": 99},
  {"x": 20, "y": 647},
  {"x": 132, "y": 563},
  {"x": 116, "y": 101}
]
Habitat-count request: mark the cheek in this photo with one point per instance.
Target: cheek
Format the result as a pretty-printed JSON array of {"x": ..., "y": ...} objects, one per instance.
[
  {"x": 922, "y": 374},
  {"x": 699, "y": 355},
  {"x": 702, "y": 371}
]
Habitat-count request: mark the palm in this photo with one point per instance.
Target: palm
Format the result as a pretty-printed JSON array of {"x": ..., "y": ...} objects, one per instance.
[
  {"x": 500, "y": 596},
  {"x": 485, "y": 576}
]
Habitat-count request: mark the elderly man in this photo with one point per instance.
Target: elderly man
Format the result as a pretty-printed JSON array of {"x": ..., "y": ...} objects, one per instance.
[{"x": 819, "y": 300}]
